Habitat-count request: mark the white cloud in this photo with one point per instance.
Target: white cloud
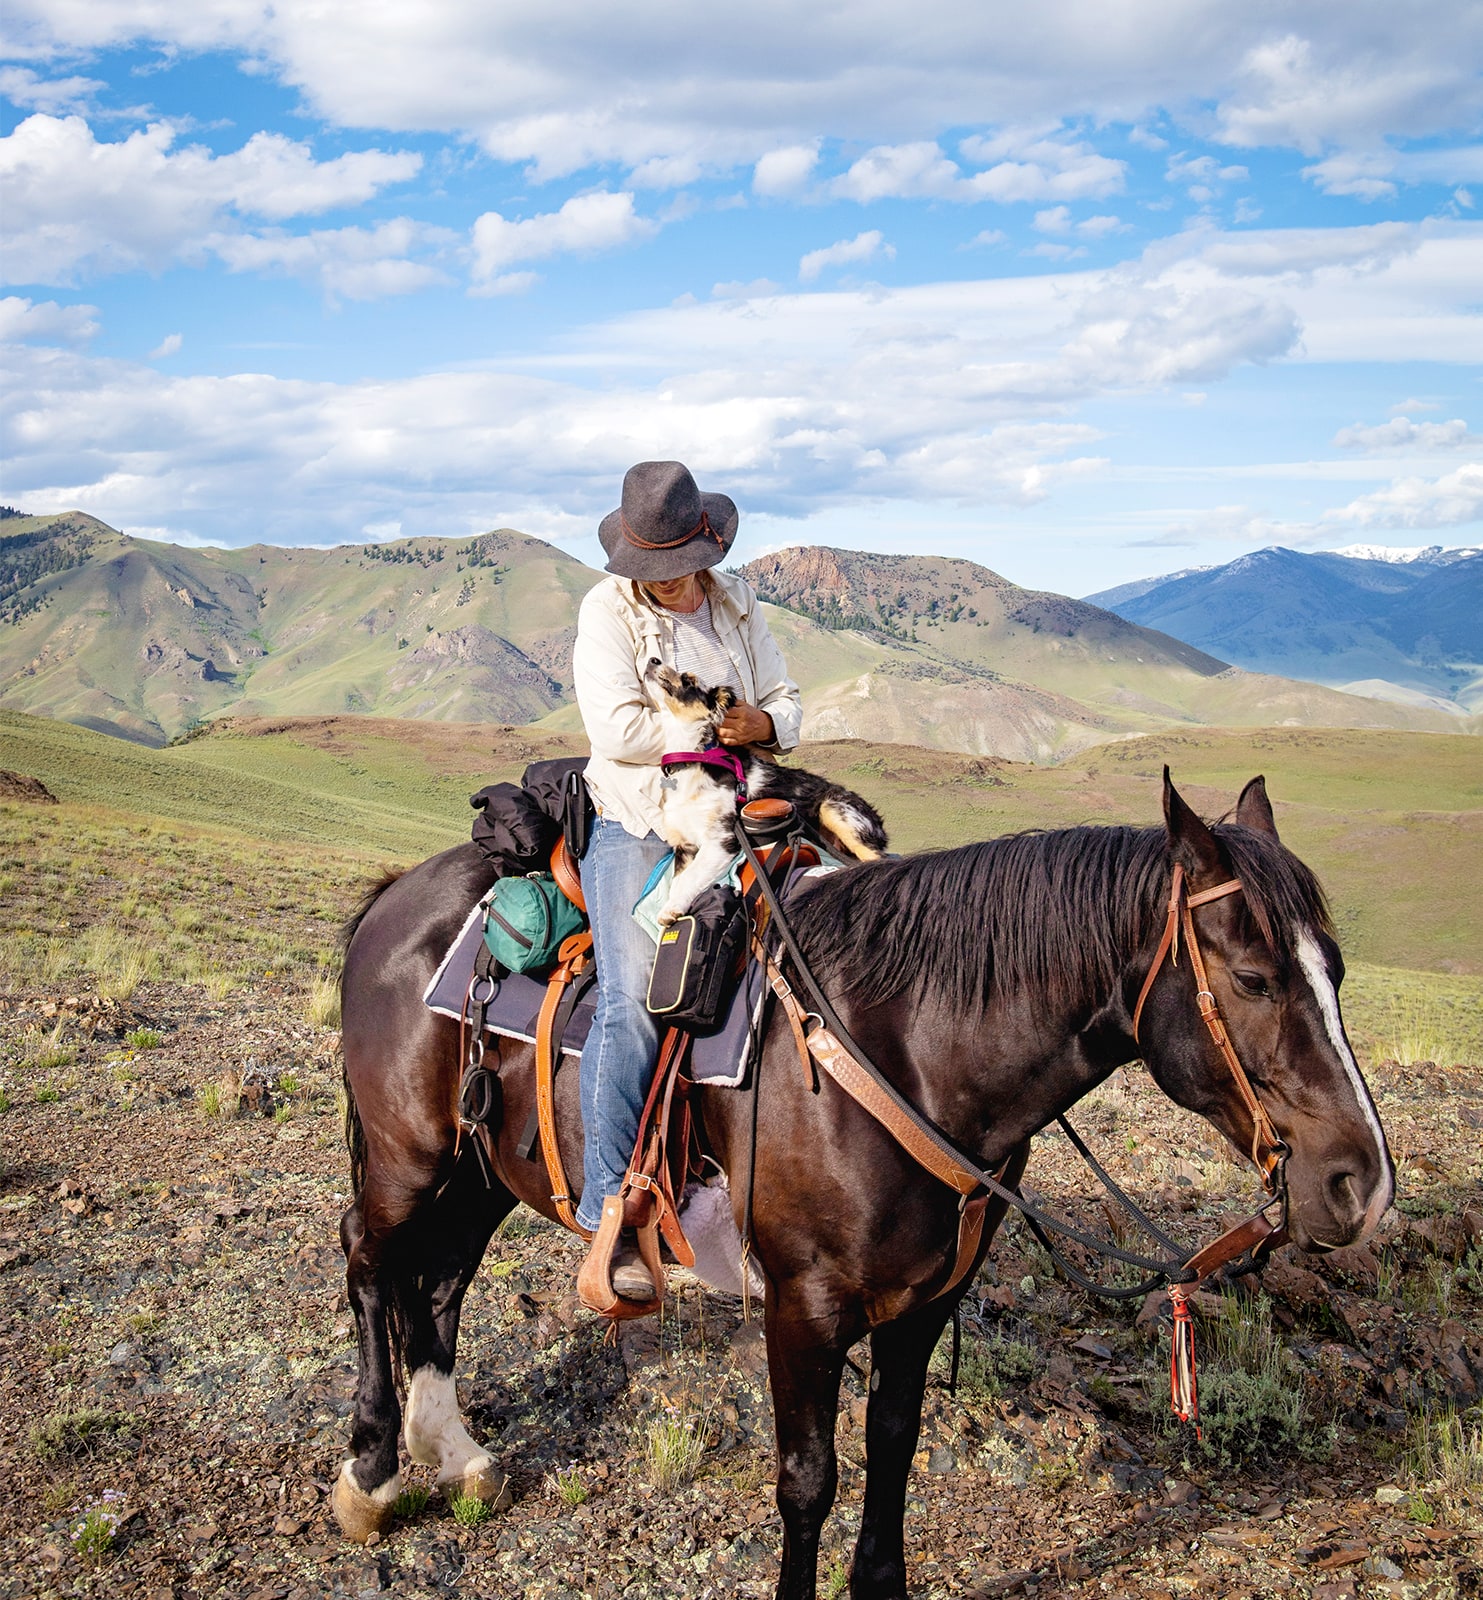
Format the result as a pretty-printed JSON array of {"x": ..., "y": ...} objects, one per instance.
[
  {"x": 22, "y": 321},
  {"x": 1202, "y": 176},
  {"x": 1376, "y": 174},
  {"x": 28, "y": 91},
  {"x": 666, "y": 172},
  {"x": 76, "y": 205},
  {"x": 565, "y": 85},
  {"x": 1369, "y": 77},
  {"x": 347, "y": 263},
  {"x": 1445, "y": 502},
  {"x": 757, "y": 289},
  {"x": 986, "y": 237},
  {"x": 1407, "y": 503},
  {"x": 504, "y": 283},
  {"x": 1058, "y": 221},
  {"x": 587, "y": 222},
  {"x": 863, "y": 247},
  {"x": 906, "y": 171},
  {"x": 168, "y": 346},
  {"x": 1305, "y": 251},
  {"x": 1018, "y": 165},
  {"x": 785, "y": 171},
  {"x": 959, "y": 392},
  {"x": 1400, "y": 433},
  {"x": 1039, "y": 164}
]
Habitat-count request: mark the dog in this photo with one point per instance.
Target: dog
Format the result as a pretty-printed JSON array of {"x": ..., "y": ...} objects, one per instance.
[{"x": 699, "y": 798}]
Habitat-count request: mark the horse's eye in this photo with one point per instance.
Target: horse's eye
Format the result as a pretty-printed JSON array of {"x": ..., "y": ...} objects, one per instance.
[{"x": 1251, "y": 982}]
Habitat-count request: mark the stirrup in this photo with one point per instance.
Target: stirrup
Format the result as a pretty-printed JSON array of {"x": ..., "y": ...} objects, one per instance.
[{"x": 595, "y": 1280}]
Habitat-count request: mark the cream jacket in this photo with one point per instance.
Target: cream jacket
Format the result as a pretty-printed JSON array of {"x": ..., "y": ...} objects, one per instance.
[{"x": 619, "y": 631}]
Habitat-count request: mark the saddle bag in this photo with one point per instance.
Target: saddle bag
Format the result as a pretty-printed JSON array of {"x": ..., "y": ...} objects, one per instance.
[
  {"x": 699, "y": 961},
  {"x": 526, "y": 920}
]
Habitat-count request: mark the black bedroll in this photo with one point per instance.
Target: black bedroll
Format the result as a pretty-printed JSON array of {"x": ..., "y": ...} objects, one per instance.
[
  {"x": 561, "y": 791},
  {"x": 512, "y": 828}
]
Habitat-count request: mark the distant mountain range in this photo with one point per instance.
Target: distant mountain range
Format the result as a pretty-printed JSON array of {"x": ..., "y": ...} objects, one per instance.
[
  {"x": 147, "y": 640},
  {"x": 1401, "y": 625}
]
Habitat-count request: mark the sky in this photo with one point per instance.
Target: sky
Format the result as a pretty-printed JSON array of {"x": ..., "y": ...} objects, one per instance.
[{"x": 1084, "y": 291}]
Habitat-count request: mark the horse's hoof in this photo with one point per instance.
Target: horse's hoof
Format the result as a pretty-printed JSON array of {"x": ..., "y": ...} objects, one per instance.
[
  {"x": 480, "y": 1481},
  {"x": 360, "y": 1514}
]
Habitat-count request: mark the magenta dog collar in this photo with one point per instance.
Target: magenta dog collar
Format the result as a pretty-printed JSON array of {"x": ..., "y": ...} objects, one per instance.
[{"x": 714, "y": 757}]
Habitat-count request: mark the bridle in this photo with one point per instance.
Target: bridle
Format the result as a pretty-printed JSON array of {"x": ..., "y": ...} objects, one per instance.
[
  {"x": 1268, "y": 1151},
  {"x": 1242, "y": 1248},
  {"x": 824, "y": 1040}
]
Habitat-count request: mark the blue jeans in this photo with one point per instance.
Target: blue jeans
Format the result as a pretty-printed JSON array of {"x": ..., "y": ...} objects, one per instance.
[{"x": 618, "y": 1058}]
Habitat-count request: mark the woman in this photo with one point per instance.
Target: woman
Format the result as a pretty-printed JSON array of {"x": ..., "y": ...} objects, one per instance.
[{"x": 661, "y": 602}]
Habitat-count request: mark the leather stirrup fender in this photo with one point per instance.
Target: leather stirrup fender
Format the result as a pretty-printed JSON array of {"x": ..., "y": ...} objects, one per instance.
[
  {"x": 568, "y": 874},
  {"x": 574, "y": 954}
]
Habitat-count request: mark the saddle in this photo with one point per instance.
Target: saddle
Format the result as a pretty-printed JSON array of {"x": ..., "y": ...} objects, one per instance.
[{"x": 667, "y": 1150}]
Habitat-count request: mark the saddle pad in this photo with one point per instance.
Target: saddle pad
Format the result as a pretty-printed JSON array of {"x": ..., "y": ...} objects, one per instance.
[{"x": 720, "y": 1059}]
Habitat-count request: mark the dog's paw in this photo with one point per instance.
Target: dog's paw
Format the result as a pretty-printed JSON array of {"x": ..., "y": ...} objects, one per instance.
[{"x": 667, "y": 918}]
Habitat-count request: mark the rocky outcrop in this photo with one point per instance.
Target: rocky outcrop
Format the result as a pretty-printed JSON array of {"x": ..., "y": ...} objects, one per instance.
[{"x": 17, "y": 786}]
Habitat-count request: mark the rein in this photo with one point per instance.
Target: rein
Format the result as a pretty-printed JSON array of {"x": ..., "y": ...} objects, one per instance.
[{"x": 830, "y": 1044}]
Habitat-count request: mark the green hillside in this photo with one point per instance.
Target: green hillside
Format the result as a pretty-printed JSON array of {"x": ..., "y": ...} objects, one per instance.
[
  {"x": 1393, "y": 822},
  {"x": 146, "y": 640}
]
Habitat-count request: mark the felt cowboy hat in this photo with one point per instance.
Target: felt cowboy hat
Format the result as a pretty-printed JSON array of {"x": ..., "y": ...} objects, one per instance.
[{"x": 666, "y": 527}]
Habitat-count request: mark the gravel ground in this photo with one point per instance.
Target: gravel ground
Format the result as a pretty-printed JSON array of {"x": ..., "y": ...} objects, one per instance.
[{"x": 180, "y": 1365}]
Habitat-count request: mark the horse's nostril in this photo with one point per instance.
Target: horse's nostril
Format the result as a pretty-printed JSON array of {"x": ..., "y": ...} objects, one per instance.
[{"x": 1345, "y": 1194}]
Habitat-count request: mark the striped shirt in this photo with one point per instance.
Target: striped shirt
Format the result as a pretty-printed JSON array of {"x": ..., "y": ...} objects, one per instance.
[{"x": 699, "y": 651}]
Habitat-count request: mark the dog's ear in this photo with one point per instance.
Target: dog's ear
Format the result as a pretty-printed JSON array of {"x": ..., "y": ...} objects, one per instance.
[{"x": 721, "y": 700}]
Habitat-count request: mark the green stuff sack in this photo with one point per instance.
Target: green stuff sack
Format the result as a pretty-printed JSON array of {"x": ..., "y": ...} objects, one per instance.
[{"x": 525, "y": 921}]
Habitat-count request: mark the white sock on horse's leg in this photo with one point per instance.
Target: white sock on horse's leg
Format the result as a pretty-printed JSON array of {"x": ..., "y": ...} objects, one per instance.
[{"x": 436, "y": 1436}]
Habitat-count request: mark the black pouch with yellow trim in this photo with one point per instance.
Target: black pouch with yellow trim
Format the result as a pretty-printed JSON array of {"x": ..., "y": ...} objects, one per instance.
[{"x": 699, "y": 961}]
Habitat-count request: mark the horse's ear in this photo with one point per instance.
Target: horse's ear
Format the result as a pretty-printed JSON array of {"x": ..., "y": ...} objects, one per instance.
[
  {"x": 1191, "y": 843},
  {"x": 1254, "y": 809}
]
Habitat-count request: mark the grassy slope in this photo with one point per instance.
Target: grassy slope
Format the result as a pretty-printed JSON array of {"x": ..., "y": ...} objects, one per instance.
[
  {"x": 387, "y": 793},
  {"x": 1392, "y": 822}
]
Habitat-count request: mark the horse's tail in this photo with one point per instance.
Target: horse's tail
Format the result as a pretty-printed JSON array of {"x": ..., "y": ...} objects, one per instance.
[
  {"x": 355, "y": 1139},
  {"x": 373, "y": 893},
  {"x": 355, "y": 1134}
]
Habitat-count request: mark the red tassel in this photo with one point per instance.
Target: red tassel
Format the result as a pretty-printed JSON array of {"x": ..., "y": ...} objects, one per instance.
[{"x": 1182, "y": 1392}]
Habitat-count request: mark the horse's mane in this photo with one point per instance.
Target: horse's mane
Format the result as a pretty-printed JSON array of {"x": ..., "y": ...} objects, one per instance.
[{"x": 1057, "y": 912}]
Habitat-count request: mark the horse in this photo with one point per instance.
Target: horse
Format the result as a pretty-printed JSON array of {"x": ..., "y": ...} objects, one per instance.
[{"x": 994, "y": 985}]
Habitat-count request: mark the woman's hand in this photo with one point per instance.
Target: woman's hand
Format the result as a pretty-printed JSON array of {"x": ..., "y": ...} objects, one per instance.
[{"x": 745, "y": 724}]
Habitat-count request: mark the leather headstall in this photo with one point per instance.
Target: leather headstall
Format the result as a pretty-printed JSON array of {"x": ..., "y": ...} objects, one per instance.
[{"x": 1268, "y": 1151}]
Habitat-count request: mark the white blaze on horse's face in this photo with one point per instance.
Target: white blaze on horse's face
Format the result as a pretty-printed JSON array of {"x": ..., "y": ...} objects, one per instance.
[{"x": 1315, "y": 970}]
